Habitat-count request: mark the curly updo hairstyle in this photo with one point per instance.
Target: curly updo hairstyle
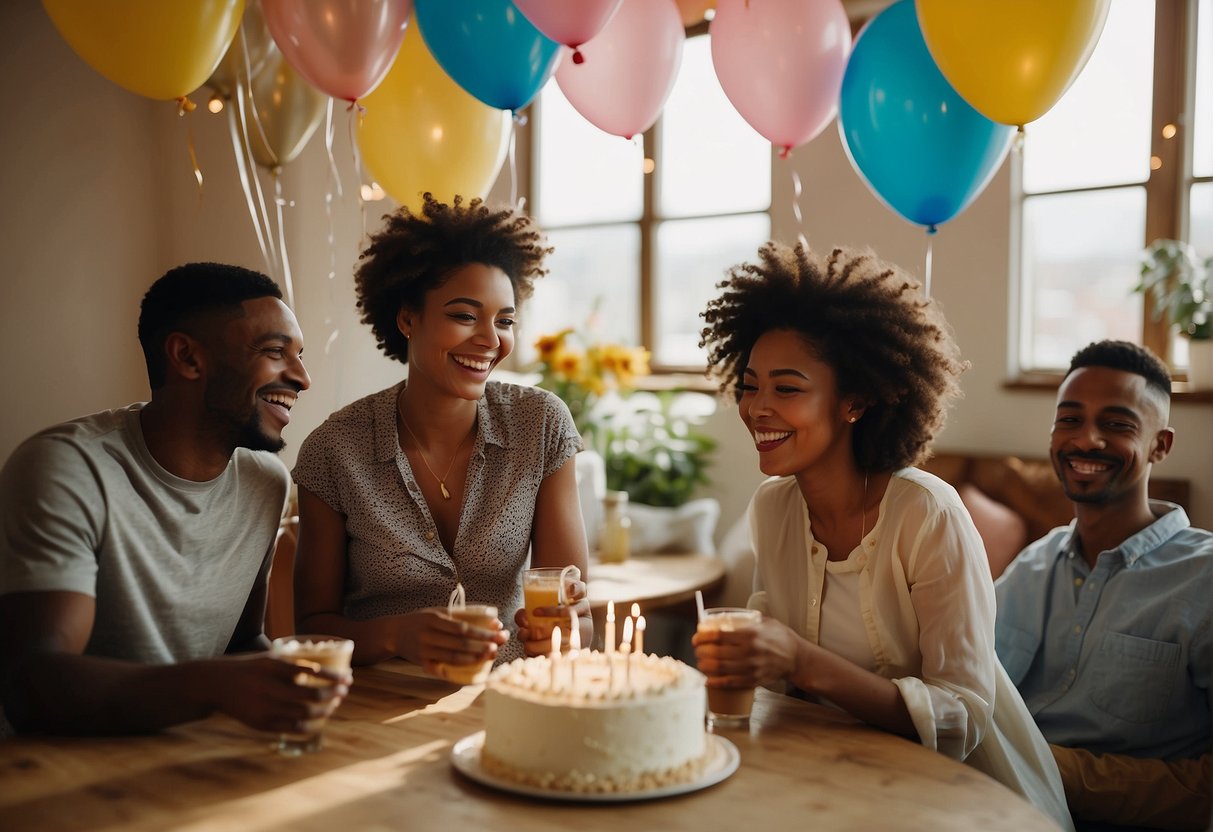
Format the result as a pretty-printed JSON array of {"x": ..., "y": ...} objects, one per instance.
[
  {"x": 887, "y": 344},
  {"x": 414, "y": 253}
]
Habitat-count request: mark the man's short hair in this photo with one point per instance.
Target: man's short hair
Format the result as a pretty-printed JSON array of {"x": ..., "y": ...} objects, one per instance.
[
  {"x": 1126, "y": 356},
  {"x": 185, "y": 295}
]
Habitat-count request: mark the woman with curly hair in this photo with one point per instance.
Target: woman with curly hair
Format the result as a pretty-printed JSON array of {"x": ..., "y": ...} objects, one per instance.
[
  {"x": 873, "y": 581},
  {"x": 446, "y": 477}
]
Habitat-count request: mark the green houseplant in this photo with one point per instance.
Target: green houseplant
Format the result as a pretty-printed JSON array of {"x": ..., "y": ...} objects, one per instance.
[{"x": 1180, "y": 283}]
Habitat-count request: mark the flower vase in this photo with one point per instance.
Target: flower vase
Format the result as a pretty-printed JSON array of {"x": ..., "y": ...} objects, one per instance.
[{"x": 1200, "y": 364}]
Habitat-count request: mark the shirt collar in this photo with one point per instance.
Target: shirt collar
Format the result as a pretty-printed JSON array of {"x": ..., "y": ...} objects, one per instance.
[
  {"x": 387, "y": 437},
  {"x": 1170, "y": 520}
]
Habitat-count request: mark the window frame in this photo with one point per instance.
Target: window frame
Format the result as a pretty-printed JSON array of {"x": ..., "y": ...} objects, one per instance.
[
  {"x": 1167, "y": 187},
  {"x": 662, "y": 375}
]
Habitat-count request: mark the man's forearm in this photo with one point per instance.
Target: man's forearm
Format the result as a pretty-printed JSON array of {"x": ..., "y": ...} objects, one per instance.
[{"x": 60, "y": 693}]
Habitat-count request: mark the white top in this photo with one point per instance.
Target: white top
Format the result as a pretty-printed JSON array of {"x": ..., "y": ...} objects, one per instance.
[
  {"x": 926, "y": 602},
  {"x": 842, "y": 629}
]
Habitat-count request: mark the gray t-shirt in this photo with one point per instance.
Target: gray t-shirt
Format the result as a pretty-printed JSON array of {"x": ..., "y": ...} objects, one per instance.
[{"x": 84, "y": 507}]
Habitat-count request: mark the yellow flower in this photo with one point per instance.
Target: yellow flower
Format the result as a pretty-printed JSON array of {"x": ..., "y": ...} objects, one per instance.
[
  {"x": 547, "y": 345},
  {"x": 567, "y": 365}
]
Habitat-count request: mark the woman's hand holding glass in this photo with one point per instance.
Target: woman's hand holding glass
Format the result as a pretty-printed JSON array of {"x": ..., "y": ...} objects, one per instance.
[
  {"x": 759, "y": 655},
  {"x": 431, "y": 637},
  {"x": 536, "y": 635}
]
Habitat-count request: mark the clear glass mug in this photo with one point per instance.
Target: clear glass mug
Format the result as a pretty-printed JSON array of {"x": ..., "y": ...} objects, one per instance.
[
  {"x": 548, "y": 586},
  {"x": 317, "y": 652},
  {"x": 729, "y": 707}
]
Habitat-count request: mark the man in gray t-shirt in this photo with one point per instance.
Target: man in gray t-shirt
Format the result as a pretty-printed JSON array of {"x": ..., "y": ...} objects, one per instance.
[{"x": 135, "y": 543}]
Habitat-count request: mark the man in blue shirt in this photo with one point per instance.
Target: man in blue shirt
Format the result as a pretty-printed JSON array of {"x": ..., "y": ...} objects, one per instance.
[{"x": 1104, "y": 625}]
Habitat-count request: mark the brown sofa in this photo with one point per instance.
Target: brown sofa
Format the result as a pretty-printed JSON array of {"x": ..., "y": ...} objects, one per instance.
[{"x": 1014, "y": 500}]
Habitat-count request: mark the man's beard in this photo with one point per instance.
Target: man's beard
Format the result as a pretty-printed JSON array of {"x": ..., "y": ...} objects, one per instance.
[{"x": 242, "y": 426}]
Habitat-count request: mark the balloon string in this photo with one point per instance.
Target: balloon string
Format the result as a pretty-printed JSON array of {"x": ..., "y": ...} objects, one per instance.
[
  {"x": 242, "y": 169},
  {"x": 189, "y": 145},
  {"x": 797, "y": 190},
  {"x": 243, "y": 92},
  {"x": 286, "y": 263},
  {"x": 927, "y": 265},
  {"x": 513, "y": 167},
  {"x": 334, "y": 176},
  {"x": 357, "y": 114}
]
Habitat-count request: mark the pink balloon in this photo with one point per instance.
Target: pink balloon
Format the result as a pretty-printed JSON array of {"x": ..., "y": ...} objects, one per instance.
[
  {"x": 781, "y": 63},
  {"x": 341, "y": 47},
  {"x": 567, "y": 22},
  {"x": 629, "y": 69}
]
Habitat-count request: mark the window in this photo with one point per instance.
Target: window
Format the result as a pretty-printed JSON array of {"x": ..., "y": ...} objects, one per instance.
[
  {"x": 1114, "y": 165},
  {"x": 643, "y": 230}
]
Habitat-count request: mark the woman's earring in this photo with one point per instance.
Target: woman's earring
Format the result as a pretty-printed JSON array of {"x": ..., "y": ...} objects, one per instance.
[{"x": 852, "y": 419}]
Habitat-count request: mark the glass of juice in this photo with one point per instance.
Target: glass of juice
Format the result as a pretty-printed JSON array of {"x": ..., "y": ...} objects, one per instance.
[
  {"x": 319, "y": 653},
  {"x": 729, "y": 707},
  {"x": 548, "y": 586}
]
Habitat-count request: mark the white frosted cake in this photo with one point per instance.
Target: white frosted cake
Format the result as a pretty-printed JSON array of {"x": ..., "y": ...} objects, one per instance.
[{"x": 598, "y": 730}]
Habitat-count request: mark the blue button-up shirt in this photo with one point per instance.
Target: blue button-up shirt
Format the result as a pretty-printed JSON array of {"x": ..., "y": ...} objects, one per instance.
[{"x": 1114, "y": 659}]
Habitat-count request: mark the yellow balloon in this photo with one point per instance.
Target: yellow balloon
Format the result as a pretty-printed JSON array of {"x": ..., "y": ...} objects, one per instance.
[
  {"x": 423, "y": 132},
  {"x": 1011, "y": 59},
  {"x": 156, "y": 48}
]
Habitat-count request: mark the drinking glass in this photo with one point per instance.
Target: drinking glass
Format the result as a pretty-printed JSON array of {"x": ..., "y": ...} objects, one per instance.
[
  {"x": 729, "y": 707},
  {"x": 318, "y": 653},
  {"x": 548, "y": 586},
  {"x": 476, "y": 615}
]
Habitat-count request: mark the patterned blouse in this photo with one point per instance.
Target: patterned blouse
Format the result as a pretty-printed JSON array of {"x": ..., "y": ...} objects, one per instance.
[{"x": 396, "y": 562}]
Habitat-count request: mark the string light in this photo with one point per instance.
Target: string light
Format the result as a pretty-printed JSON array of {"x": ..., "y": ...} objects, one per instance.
[
  {"x": 372, "y": 192},
  {"x": 215, "y": 105}
]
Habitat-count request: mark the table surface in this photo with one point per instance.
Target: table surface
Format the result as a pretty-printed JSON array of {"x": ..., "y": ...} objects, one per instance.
[
  {"x": 386, "y": 765},
  {"x": 653, "y": 580}
]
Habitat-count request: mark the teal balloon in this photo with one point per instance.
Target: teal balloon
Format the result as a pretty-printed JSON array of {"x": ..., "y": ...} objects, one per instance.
[
  {"x": 489, "y": 48},
  {"x": 917, "y": 144}
]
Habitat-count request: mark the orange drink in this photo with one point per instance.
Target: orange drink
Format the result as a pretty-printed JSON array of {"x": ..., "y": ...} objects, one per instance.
[{"x": 548, "y": 587}]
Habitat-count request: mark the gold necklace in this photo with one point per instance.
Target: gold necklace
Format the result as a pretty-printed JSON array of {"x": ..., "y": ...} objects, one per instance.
[{"x": 446, "y": 495}]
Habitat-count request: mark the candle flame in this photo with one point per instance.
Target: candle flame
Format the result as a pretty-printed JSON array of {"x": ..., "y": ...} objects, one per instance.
[
  {"x": 555, "y": 642},
  {"x": 635, "y": 609},
  {"x": 610, "y": 611},
  {"x": 627, "y": 634}
]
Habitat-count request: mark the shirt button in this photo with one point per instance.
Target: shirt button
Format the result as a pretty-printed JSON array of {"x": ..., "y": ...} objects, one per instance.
[
  {"x": 1077, "y": 628},
  {"x": 1078, "y": 582},
  {"x": 1073, "y": 673},
  {"x": 429, "y": 535},
  {"x": 813, "y": 603}
]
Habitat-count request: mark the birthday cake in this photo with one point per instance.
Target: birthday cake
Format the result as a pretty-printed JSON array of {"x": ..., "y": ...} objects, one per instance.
[{"x": 601, "y": 723}]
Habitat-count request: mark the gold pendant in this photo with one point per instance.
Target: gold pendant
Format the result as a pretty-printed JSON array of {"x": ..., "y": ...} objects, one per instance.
[{"x": 446, "y": 495}]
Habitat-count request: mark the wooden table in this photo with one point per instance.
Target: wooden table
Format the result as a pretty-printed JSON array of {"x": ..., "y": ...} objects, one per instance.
[{"x": 386, "y": 766}]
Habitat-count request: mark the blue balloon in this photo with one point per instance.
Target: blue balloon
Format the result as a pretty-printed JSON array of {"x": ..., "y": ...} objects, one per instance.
[
  {"x": 489, "y": 48},
  {"x": 917, "y": 144}
]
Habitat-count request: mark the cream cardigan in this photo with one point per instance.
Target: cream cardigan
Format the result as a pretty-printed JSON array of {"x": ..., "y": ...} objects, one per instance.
[{"x": 927, "y": 604}]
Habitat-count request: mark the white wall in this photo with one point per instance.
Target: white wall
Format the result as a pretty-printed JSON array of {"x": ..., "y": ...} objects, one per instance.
[{"x": 99, "y": 200}]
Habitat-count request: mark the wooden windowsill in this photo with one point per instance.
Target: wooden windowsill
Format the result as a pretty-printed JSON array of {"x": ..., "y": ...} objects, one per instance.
[{"x": 1048, "y": 382}]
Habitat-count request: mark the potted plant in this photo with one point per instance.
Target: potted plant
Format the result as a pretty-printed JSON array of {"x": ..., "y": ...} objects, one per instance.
[
  {"x": 648, "y": 443},
  {"x": 1181, "y": 286}
]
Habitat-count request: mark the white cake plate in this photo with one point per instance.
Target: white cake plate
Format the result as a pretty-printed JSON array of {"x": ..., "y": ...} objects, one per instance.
[{"x": 723, "y": 761}]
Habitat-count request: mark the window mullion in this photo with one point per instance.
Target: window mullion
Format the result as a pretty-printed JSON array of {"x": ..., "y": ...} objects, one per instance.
[{"x": 1165, "y": 185}]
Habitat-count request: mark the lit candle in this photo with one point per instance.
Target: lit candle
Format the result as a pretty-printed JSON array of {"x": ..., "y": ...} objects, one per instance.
[
  {"x": 574, "y": 649},
  {"x": 555, "y": 653},
  {"x": 609, "y": 645},
  {"x": 640, "y": 635},
  {"x": 624, "y": 648}
]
